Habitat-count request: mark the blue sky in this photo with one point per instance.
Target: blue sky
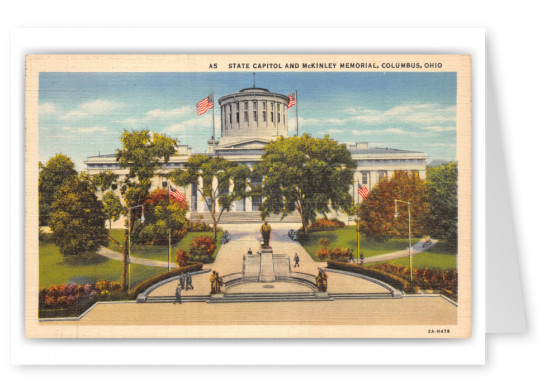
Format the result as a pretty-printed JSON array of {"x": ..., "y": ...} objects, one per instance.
[{"x": 83, "y": 114}]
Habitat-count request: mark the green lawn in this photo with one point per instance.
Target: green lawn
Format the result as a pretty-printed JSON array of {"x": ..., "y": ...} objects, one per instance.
[
  {"x": 56, "y": 269},
  {"x": 437, "y": 256},
  {"x": 160, "y": 252},
  {"x": 347, "y": 238}
]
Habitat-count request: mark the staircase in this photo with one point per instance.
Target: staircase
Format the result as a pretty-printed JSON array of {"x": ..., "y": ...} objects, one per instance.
[
  {"x": 269, "y": 297},
  {"x": 235, "y": 217}
]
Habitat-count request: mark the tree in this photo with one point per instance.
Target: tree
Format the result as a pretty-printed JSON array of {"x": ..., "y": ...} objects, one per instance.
[
  {"x": 305, "y": 174},
  {"x": 142, "y": 154},
  {"x": 442, "y": 193},
  {"x": 161, "y": 215},
  {"x": 78, "y": 218},
  {"x": 58, "y": 170},
  {"x": 113, "y": 206},
  {"x": 376, "y": 213},
  {"x": 219, "y": 182},
  {"x": 103, "y": 180}
]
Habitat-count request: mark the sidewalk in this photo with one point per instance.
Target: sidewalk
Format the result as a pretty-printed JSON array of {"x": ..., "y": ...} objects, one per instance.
[{"x": 138, "y": 261}]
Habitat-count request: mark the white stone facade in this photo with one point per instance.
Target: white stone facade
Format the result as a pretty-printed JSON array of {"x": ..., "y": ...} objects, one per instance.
[{"x": 247, "y": 127}]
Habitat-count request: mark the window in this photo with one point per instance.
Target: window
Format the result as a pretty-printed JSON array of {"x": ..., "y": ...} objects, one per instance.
[
  {"x": 255, "y": 112},
  {"x": 237, "y": 113},
  {"x": 382, "y": 174},
  {"x": 272, "y": 115},
  {"x": 114, "y": 186},
  {"x": 278, "y": 117},
  {"x": 165, "y": 184},
  {"x": 264, "y": 116},
  {"x": 230, "y": 114},
  {"x": 246, "y": 111},
  {"x": 283, "y": 119},
  {"x": 365, "y": 178}
]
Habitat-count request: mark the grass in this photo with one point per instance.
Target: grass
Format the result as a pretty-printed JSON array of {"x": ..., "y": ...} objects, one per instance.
[
  {"x": 90, "y": 267},
  {"x": 159, "y": 252},
  {"x": 438, "y": 256},
  {"x": 347, "y": 238}
]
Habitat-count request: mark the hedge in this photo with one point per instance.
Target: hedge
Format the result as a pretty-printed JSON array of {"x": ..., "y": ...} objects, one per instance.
[
  {"x": 142, "y": 286},
  {"x": 392, "y": 280}
]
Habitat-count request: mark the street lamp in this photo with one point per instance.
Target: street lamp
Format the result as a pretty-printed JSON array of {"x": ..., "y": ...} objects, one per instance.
[
  {"x": 396, "y": 214},
  {"x": 142, "y": 220}
]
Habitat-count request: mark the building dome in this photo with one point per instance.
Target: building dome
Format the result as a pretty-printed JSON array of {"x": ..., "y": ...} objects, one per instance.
[{"x": 253, "y": 113}]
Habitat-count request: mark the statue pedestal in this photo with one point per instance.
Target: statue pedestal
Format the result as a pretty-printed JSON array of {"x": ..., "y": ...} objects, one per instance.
[
  {"x": 267, "y": 272},
  {"x": 266, "y": 250}
]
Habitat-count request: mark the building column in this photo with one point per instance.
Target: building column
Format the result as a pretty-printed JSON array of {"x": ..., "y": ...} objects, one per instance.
[
  {"x": 248, "y": 202},
  {"x": 201, "y": 207},
  {"x": 230, "y": 189}
]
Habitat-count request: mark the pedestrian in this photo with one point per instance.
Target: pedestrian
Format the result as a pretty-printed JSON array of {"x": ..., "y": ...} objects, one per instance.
[
  {"x": 182, "y": 280},
  {"x": 297, "y": 260},
  {"x": 250, "y": 252},
  {"x": 188, "y": 282},
  {"x": 178, "y": 294}
]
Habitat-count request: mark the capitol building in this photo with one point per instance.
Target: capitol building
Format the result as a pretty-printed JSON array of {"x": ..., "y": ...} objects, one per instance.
[{"x": 250, "y": 119}]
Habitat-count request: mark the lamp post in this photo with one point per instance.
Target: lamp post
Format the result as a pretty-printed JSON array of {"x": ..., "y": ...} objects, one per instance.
[
  {"x": 396, "y": 214},
  {"x": 142, "y": 219}
]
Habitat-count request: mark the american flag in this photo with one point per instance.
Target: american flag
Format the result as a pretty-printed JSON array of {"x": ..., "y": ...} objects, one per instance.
[
  {"x": 292, "y": 100},
  {"x": 176, "y": 194},
  {"x": 205, "y": 104},
  {"x": 363, "y": 191}
]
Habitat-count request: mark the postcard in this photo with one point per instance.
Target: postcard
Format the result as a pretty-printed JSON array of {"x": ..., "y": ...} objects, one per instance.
[{"x": 248, "y": 196}]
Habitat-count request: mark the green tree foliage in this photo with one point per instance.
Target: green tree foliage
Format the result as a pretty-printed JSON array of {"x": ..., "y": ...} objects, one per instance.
[
  {"x": 376, "y": 213},
  {"x": 113, "y": 206},
  {"x": 103, "y": 180},
  {"x": 219, "y": 182},
  {"x": 442, "y": 193},
  {"x": 142, "y": 154},
  {"x": 78, "y": 218},
  {"x": 305, "y": 174},
  {"x": 161, "y": 214},
  {"x": 58, "y": 170}
]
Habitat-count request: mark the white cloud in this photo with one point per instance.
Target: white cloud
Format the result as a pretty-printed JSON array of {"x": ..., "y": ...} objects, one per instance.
[
  {"x": 178, "y": 112},
  {"x": 438, "y": 128},
  {"x": 395, "y": 131},
  {"x": 47, "y": 108},
  {"x": 429, "y": 113},
  {"x": 91, "y": 129},
  {"x": 94, "y": 107},
  {"x": 191, "y": 124}
]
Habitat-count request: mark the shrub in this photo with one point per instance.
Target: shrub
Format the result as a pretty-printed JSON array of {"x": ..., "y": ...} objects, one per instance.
[
  {"x": 199, "y": 226},
  {"x": 323, "y": 253},
  {"x": 202, "y": 246},
  {"x": 324, "y": 242},
  {"x": 182, "y": 257},
  {"x": 340, "y": 254},
  {"x": 325, "y": 224},
  {"x": 141, "y": 287}
]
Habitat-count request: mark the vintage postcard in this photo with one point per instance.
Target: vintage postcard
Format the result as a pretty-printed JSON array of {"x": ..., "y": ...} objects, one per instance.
[{"x": 248, "y": 196}]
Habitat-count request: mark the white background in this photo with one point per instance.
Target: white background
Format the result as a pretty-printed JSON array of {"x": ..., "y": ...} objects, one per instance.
[{"x": 519, "y": 59}]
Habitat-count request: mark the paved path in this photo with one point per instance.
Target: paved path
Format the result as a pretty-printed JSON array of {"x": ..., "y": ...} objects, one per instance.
[
  {"x": 111, "y": 254},
  {"x": 419, "y": 247},
  {"x": 247, "y": 236}
]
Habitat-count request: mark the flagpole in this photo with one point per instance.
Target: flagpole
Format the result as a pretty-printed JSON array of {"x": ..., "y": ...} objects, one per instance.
[
  {"x": 296, "y": 107},
  {"x": 213, "y": 127}
]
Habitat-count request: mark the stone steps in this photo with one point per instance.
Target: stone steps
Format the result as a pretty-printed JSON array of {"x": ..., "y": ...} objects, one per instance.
[{"x": 269, "y": 297}]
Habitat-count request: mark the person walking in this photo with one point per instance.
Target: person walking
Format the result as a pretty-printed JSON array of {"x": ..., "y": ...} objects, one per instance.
[
  {"x": 178, "y": 294},
  {"x": 183, "y": 280},
  {"x": 188, "y": 282},
  {"x": 297, "y": 260}
]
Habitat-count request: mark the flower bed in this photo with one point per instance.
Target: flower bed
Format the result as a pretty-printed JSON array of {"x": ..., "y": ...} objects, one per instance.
[
  {"x": 72, "y": 300},
  {"x": 324, "y": 224},
  {"x": 202, "y": 249}
]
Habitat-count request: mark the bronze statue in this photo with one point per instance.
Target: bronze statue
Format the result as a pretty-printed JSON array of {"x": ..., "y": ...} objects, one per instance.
[
  {"x": 265, "y": 230},
  {"x": 321, "y": 281},
  {"x": 216, "y": 283}
]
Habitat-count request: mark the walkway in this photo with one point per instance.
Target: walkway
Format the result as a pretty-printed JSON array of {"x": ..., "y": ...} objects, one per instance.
[
  {"x": 138, "y": 261},
  {"x": 419, "y": 247}
]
